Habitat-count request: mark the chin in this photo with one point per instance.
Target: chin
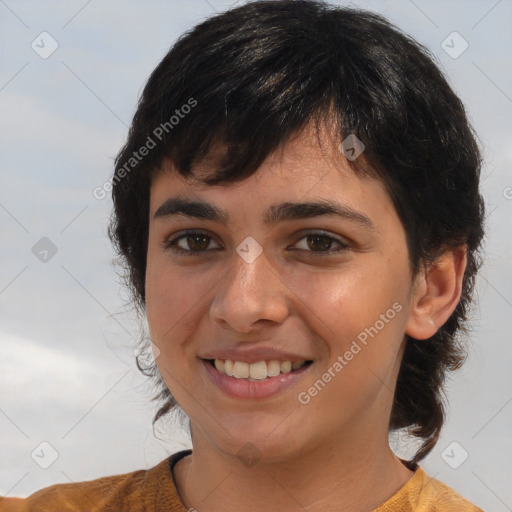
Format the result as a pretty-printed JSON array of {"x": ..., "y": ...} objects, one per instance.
[{"x": 254, "y": 438}]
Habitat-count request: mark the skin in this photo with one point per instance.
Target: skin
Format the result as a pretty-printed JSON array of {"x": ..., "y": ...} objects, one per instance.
[{"x": 334, "y": 450}]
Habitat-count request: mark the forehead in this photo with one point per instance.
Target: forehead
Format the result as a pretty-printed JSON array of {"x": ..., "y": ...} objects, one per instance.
[{"x": 309, "y": 166}]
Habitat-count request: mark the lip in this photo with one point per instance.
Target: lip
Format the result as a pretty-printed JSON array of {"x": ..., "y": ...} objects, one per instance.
[
  {"x": 240, "y": 388},
  {"x": 254, "y": 355}
]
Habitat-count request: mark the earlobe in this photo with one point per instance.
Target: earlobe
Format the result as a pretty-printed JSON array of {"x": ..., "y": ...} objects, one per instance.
[{"x": 436, "y": 294}]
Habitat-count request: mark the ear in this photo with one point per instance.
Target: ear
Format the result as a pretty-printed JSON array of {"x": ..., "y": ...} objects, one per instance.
[{"x": 436, "y": 294}]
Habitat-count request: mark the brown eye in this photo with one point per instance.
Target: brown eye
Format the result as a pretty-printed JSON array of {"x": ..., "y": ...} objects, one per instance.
[
  {"x": 319, "y": 242},
  {"x": 191, "y": 243},
  {"x": 198, "y": 242}
]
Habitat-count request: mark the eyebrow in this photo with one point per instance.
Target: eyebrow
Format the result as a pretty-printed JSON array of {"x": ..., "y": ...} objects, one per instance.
[{"x": 287, "y": 211}]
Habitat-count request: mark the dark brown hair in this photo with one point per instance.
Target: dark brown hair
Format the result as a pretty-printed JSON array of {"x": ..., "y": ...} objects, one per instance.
[{"x": 255, "y": 75}]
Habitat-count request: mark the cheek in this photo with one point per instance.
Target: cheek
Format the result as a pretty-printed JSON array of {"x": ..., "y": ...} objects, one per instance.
[
  {"x": 171, "y": 303},
  {"x": 344, "y": 302},
  {"x": 360, "y": 314},
  {"x": 172, "y": 299}
]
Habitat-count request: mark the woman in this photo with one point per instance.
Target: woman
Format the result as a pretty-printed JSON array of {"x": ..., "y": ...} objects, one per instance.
[{"x": 298, "y": 209}]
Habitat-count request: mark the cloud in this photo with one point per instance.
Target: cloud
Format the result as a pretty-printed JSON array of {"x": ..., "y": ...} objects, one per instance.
[{"x": 45, "y": 374}]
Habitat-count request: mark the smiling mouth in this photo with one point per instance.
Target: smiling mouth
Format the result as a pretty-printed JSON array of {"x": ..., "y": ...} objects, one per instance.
[{"x": 256, "y": 372}]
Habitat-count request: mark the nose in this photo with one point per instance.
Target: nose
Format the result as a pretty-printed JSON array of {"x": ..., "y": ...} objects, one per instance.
[{"x": 251, "y": 296}]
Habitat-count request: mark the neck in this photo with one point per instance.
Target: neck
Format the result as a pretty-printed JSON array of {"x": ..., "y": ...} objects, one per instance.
[{"x": 349, "y": 476}]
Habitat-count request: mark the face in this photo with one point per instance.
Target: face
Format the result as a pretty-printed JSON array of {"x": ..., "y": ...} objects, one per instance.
[{"x": 302, "y": 262}]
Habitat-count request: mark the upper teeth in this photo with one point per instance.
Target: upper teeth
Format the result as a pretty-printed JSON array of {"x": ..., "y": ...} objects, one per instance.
[{"x": 258, "y": 371}]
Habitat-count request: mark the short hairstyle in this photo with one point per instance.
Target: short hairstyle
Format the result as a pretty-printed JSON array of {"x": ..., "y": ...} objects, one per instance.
[{"x": 257, "y": 74}]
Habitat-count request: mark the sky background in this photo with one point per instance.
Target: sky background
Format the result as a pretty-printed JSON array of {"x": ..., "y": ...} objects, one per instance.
[{"x": 67, "y": 372}]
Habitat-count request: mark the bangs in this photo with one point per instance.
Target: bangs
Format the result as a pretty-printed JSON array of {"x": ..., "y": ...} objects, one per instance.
[
  {"x": 255, "y": 91},
  {"x": 249, "y": 115}
]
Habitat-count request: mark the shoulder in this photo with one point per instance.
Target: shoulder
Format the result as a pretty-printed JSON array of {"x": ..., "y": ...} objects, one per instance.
[
  {"x": 425, "y": 494},
  {"x": 102, "y": 494},
  {"x": 135, "y": 491}
]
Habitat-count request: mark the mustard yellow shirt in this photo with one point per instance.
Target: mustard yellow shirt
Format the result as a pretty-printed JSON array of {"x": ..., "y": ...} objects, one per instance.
[{"x": 154, "y": 490}]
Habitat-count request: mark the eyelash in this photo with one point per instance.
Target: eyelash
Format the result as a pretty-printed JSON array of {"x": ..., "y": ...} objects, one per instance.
[{"x": 171, "y": 244}]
